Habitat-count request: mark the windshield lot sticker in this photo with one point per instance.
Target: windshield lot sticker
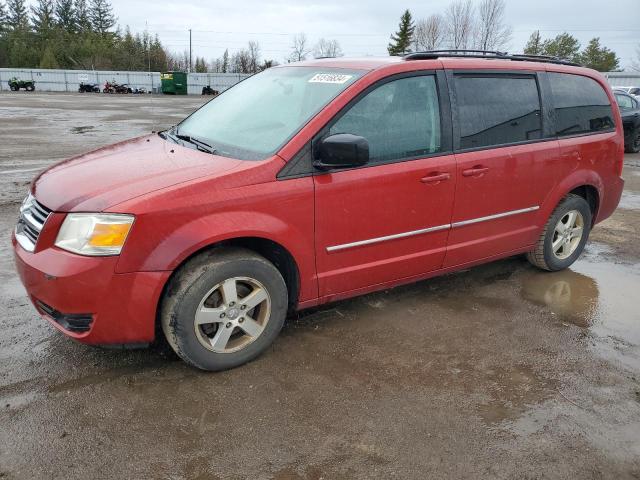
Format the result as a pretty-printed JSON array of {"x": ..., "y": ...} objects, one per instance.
[{"x": 329, "y": 78}]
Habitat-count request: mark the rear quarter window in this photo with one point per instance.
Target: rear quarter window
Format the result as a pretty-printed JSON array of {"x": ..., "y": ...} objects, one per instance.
[{"x": 581, "y": 105}]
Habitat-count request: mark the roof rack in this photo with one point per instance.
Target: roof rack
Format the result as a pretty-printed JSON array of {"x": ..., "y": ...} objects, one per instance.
[{"x": 487, "y": 54}]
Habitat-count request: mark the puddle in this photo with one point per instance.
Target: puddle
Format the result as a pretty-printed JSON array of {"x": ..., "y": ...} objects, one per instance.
[
  {"x": 83, "y": 129},
  {"x": 630, "y": 201},
  {"x": 598, "y": 296}
]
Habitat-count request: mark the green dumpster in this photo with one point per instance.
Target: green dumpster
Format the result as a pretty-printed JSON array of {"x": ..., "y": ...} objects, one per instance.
[{"x": 174, "y": 83}]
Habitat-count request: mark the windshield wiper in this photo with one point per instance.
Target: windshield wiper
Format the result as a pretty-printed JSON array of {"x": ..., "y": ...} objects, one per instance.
[
  {"x": 204, "y": 146},
  {"x": 173, "y": 134}
]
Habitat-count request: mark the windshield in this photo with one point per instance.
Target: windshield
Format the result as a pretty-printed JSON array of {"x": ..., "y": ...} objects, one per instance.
[{"x": 252, "y": 120}]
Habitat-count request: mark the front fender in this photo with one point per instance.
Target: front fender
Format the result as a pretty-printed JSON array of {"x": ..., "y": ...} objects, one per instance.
[{"x": 281, "y": 212}]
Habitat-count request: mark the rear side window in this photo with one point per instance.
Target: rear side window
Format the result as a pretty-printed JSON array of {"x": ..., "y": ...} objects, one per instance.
[
  {"x": 581, "y": 105},
  {"x": 497, "y": 110},
  {"x": 400, "y": 119}
]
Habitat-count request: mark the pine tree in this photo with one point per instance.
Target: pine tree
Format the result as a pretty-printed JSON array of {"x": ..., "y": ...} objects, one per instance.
[
  {"x": 17, "y": 18},
  {"x": 83, "y": 24},
  {"x": 201, "y": 65},
  {"x": 3, "y": 17},
  {"x": 534, "y": 45},
  {"x": 48, "y": 59},
  {"x": 401, "y": 40},
  {"x": 42, "y": 17},
  {"x": 598, "y": 57},
  {"x": 225, "y": 61},
  {"x": 65, "y": 15},
  {"x": 564, "y": 46},
  {"x": 101, "y": 16}
]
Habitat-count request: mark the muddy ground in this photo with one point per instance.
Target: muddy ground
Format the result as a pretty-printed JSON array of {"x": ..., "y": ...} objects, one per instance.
[{"x": 501, "y": 371}]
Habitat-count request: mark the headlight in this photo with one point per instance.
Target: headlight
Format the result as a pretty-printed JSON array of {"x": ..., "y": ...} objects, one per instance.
[{"x": 94, "y": 233}]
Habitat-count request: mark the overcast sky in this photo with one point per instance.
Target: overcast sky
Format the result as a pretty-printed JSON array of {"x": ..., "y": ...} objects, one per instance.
[{"x": 362, "y": 27}]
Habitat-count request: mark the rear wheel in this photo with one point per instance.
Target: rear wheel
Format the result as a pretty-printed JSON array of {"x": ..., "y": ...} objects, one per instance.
[
  {"x": 564, "y": 235},
  {"x": 223, "y": 308},
  {"x": 634, "y": 142}
]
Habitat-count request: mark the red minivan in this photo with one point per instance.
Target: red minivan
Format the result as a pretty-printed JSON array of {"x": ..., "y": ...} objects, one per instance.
[{"x": 314, "y": 182}]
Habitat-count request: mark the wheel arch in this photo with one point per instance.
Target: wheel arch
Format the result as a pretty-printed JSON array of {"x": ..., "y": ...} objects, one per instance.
[{"x": 273, "y": 251}]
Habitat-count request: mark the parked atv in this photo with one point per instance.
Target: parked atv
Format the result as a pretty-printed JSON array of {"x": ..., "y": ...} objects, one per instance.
[
  {"x": 89, "y": 88},
  {"x": 209, "y": 91},
  {"x": 15, "y": 85},
  {"x": 140, "y": 90}
]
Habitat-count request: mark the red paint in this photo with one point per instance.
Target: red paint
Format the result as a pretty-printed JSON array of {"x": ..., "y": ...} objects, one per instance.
[{"x": 185, "y": 200}]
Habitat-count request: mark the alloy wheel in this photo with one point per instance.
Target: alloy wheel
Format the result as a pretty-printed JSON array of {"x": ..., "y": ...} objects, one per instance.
[
  {"x": 232, "y": 315},
  {"x": 567, "y": 234}
]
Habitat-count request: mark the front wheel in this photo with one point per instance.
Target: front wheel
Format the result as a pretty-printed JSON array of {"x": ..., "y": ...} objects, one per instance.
[
  {"x": 223, "y": 308},
  {"x": 564, "y": 236}
]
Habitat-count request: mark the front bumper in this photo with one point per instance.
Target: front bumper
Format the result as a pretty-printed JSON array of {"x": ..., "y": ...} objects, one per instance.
[{"x": 115, "y": 308}]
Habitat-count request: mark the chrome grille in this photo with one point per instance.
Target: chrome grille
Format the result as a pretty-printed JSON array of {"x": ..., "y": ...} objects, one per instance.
[{"x": 33, "y": 216}]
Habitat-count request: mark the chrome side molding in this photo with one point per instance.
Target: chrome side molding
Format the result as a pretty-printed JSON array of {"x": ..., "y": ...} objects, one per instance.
[
  {"x": 494, "y": 217},
  {"x": 388, "y": 237},
  {"x": 344, "y": 246}
]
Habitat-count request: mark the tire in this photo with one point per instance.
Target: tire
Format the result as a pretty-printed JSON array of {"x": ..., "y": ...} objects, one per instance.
[
  {"x": 545, "y": 256},
  {"x": 13, "y": 88},
  {"x": 634, "y": 141},
  {"x": 196, "y": 293},
  {"x": 30, "y": 88}
]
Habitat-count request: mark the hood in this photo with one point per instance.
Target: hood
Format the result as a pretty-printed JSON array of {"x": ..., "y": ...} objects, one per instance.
[{"x": 114, "y": 174}]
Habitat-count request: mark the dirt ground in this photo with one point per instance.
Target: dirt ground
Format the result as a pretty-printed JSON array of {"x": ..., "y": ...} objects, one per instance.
[{"x": 501, "y": 371}]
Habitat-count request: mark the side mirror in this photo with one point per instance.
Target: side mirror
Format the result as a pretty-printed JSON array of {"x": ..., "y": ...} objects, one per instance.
[{"x": 341, "y": 150}]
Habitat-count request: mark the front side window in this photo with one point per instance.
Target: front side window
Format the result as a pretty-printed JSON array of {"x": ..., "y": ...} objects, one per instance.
[
  {"x": 400, "y": 119},
  {"x": 252, "y": 120},
  {"x": 497, "y": 110},
  {"x": 581, "y": 105}
]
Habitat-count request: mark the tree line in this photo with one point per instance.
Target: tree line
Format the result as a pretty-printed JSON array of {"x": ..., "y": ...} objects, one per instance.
[
  {"x": 482, "y": 26},
  {"x": 73, "y": 34}
]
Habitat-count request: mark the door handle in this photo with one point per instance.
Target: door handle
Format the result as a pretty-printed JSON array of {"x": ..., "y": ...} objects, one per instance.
[
  {"x": 435, "y": 177},
  {"x": 475, "y": 171}
]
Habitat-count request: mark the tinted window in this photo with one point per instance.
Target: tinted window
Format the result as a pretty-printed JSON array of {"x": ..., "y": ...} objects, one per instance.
[
  {"x": 400, "y": 119},
  {"x": 624, "y": 101},
  {"x": 581, "y": 105},
  {"x": 495, "y": 110}
]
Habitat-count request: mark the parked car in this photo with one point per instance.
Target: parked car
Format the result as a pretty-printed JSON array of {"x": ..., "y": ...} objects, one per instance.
[
  {"x": 15, "y": 84},
  {"x": 88, "y": 88},
  {"x": 315, "y": 182},
  {"x": 630, "y": 111},
  {"x": 633, "y": 91}
]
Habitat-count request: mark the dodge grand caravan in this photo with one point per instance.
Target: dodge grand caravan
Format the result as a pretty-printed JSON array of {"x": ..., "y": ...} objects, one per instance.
[{"x": 314, "y": 182}]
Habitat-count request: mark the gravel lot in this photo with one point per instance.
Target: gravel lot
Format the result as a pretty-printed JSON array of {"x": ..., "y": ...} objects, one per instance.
[{"x": 501, "y": 371}]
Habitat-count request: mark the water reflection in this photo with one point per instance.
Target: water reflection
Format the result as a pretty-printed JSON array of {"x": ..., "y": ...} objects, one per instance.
[{"x": 570, "y": 295}]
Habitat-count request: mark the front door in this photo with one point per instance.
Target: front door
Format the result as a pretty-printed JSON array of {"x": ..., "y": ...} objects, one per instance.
[{"x": 389, "y": 219}]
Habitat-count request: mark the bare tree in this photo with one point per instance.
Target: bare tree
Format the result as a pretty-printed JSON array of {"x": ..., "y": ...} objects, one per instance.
[
  {"x": 459, "y": 22},
  {"x": 491, "y": 32},
  {"x": 254, "y": 57},
  {"x": 299, "y": 48},
  {"x": 636, "y": 63},
  {"x": 327, "y": 48},
  {"x": 430, "y": 33}
]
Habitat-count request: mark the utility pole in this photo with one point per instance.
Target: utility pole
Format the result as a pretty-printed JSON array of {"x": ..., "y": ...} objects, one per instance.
[{"x": 190, "y": 62}]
